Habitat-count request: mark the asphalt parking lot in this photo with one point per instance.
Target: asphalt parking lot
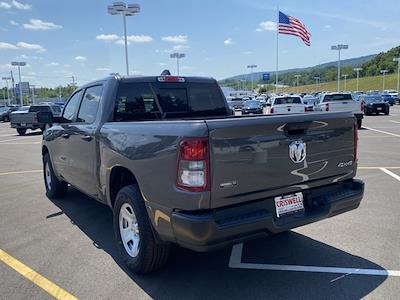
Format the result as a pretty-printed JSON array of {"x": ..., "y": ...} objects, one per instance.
[{"x": 70, "y": 242}]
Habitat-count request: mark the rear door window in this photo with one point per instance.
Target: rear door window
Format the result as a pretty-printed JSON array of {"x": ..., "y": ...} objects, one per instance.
[
  {"x": 39, "y": 109},
  {"x": 151, "y": 101},
  {"x": 337, "y": 97},
  {"x": 90, "y": 104},
  {"x": 288, "y": 100}
]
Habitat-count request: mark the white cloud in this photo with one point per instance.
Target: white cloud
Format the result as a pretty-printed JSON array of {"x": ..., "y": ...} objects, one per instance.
[
  {"x": 12, "y": 22},
  {"x": 52, "y": 64},
  {"x": 140, "y": 38},
  {"x": 228, "y": 41},
  {"x": 179, "y": 39},
  {"x": 34, "y": 47},
  {"x": 266, "y": 26},
  {"x": 162, "y": 64},
  {"x": 5, "y": 5},
  {"x": 181, "y": 47},
  {"x": 8, "y": 46},
  {"x": 19, "y": 5},
  {"x": 108, "y": 37},
  {"x": 247, "y": 52},
  {"x": 163, "y": 51},
  {"x": 67, "y": 66},
  {"x": 5, "y": 66},
  {"x": 23, "y": 56},
  {"x": 102, "y": 69},
  {"x": 328, "y": 26},
  {"x": 36, "y": 24},
  {"x": 80, "y": 58}
]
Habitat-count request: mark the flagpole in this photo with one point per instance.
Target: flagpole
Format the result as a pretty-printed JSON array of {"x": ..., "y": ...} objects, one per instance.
[{"x": 277, "y": 47}]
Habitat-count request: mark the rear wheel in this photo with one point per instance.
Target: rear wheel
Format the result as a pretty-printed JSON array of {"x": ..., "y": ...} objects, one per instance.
[
  {"x": 137, "y": 244},
  {"x": 387, "y": 111},
  {"x": 21, "y": 131},
  {"x": 359, "y": 123},
  {"x": 54, "y": 187}
]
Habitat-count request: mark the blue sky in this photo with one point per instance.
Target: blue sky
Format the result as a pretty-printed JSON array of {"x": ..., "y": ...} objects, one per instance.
[{"x": 59, "y": 39}]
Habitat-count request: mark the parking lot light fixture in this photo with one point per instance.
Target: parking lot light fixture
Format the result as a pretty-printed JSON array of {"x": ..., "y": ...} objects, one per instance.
[
  {"x": 297, "y": 82},
  {"x": 252, "y": 82},
  {"x": 19, "y": 64},
  {"x": 383, "y": 72},
  {"x": 6, "y": 79},
  {"x": 398, "y": 74},
  {"x": 358, "y": 74},
  {"x": 339, "y": 48},
  {"x": 120, "y": 8},
  {"x": 178, "y": 56},
  {"x": 345, "y": 80}
]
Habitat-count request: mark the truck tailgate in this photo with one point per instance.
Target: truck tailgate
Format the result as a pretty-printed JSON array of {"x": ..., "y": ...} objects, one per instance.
[
  {"x": 23, "y": 118},
  {"x": 250, "y": 156},
  {"x": 289, "y": 109}
]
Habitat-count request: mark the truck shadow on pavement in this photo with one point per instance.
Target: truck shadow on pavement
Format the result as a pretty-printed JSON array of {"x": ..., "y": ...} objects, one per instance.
[{"x": 207, "y": 275}]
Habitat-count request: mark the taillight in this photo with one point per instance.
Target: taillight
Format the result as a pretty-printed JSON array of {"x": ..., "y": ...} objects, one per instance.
[
  {"x": 272, "y": 110},
  {"x": 327, "y": 107},
  {"x": 305, "y": 109},
  {"x": 193, "y": 166},
  {"x": 355, "y": 156}
]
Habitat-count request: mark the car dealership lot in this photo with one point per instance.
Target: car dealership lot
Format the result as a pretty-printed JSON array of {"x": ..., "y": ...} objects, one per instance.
[{"x": 70, "y": 241}]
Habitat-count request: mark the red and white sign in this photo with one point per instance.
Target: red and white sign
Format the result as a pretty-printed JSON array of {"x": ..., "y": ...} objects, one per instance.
[{"x": 288, "y": 204}]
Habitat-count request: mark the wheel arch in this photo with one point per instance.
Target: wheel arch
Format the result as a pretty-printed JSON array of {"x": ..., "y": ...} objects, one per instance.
[{"x": 119, "y": 177}]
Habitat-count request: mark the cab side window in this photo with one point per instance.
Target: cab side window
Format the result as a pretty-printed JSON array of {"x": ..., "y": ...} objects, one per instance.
[
  {"x": 90, "y": 104},
  {"x": 71, "y": 107}
]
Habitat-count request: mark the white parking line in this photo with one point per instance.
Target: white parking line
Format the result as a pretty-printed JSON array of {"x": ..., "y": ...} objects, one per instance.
[
  {"x": 19, "y": 139},
  {"x": 235, "y": 262},
  {"x": 397, "y": 122},
  {"x": 20, "y": 172},
  {"x": 395, "y": 176},
  {"x": 381, "y": 131}
]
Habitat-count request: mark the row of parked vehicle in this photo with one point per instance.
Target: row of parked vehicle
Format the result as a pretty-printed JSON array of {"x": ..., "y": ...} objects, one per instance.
[
  {"x": 360, "y": 103},
  {"x": 38, "y": 116}
]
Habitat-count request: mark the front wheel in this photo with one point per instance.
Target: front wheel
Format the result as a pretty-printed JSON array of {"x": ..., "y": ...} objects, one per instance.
[
  {"x": 137, "y": 244},
  {"x": 21, "y": 131},
  {"x": 54, "y": 187},
  {"x": 387, "y": 111}
]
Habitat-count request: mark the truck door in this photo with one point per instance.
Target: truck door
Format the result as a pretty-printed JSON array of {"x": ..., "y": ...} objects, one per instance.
[{"x": 82, "y": 143}]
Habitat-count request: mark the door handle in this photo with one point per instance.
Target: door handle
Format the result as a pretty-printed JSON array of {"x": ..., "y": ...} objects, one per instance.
[
  {"x": 86, "y": 138},
  {"x": 65, "y": 135}
]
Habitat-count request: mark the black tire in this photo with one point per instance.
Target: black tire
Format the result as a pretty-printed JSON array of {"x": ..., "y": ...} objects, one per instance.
[
  {"x": 152, "y": 254},
  {"x": 6, "y": 119},
  {"x": 21, "y": 131},
  {"x": 359, "y": 123},
  {"x": 387, "y": 111},
  {"x": 56, "y": 188}
]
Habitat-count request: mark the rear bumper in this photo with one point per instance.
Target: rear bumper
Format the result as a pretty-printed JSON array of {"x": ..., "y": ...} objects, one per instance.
[
  {"x": 221, "y": 227},
  {"x": 29, "y": 126}
]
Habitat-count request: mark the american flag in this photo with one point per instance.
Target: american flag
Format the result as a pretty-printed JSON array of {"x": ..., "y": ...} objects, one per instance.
[{"x": 292, "y": 26}]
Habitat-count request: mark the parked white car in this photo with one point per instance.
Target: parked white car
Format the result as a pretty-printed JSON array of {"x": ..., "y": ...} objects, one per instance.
[
  {"x": 335, "y": 102},
  {"x": 287, "y": 105}
]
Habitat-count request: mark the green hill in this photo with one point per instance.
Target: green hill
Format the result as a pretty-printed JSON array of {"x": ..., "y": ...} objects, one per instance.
[{"x": 365, "y": 84}]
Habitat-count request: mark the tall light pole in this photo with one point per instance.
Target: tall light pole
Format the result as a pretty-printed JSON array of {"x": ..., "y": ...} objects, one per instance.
[
  {"x": 398, "y": 74},
  {"x": 252, "y": 67},
  {"x": 383, "y": 72},
  {"x": 19, "y": 64},
  {"x": 120, "y": 8},
  {"x": 358, "y": 75},
  {"x": 8, "y": 92},
  {"x": 33, "y": 93},
  {"x": 317, "y": 78},
  {"x": 339, "y": 48},
  {"x": 178, "y": 56},
  {"x": 297, "y": 82},
  {"x": 345, "y": 81}
]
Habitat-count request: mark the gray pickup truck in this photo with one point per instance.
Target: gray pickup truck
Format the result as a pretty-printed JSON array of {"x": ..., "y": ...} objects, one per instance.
[
  {"x": 35, "y": 117},
  {"x": 166, "y": 155}
]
